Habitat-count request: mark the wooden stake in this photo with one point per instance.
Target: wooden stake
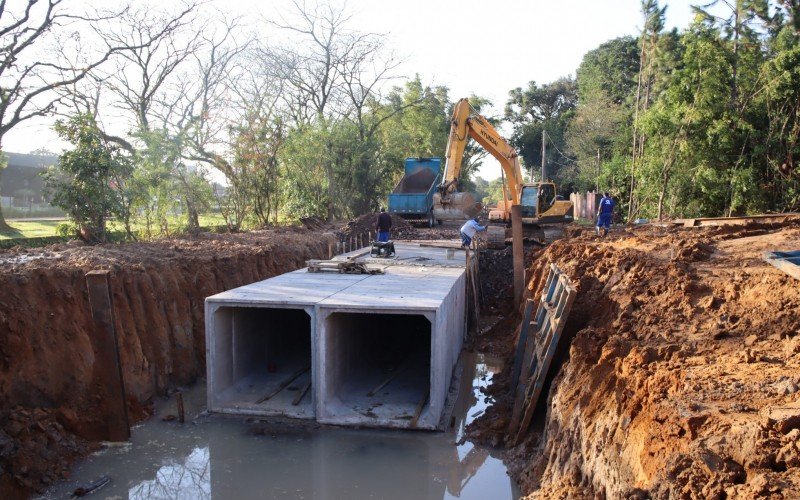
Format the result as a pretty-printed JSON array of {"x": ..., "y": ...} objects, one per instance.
[
  {"x": 518, "y": 252},
  {"x": 179, "y": 400}
]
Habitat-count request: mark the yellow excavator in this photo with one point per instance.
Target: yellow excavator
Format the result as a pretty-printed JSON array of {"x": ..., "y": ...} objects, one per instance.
[{"x": 540, "y": 203}]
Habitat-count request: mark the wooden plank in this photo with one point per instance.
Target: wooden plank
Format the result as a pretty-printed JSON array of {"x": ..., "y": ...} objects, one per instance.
[
  {"x": 783, "y": 263},
  {"x": 387, "y": 380},
  {"x": 542, "y": 373},
  {"x": 722, "y": 221},
  {"x": 303, "y": 391},
  {"x": 554, "y": 306},
  {"x": 284, "y": 384},
  {"x": 418, "y": 410},
  {"x": 107, "y": 372}
]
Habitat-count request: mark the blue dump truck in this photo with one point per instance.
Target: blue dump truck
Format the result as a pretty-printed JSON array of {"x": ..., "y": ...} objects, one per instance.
[{"x": 412, "y": 198}]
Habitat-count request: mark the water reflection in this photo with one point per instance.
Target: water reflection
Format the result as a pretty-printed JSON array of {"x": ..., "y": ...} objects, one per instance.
[
  {"x": 223, "y": 458},
  {"x": 189, "y": 479}
]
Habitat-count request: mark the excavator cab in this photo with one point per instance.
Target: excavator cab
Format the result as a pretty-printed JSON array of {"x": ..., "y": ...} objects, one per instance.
[{"x": 537, "y": 199}]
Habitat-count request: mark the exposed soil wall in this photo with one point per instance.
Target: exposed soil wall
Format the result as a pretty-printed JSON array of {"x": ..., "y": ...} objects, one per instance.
[
  {"x": 47, "y": 386},
  {"x": 683, "y": 372}
]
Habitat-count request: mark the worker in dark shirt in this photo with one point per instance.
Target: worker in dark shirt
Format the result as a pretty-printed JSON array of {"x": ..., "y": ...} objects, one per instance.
[{"x": 383, "y": 225}]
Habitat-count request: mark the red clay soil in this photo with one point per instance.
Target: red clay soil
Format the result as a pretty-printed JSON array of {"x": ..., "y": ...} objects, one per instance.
[
  {"x": 50, "y": 412},
  {"x": 682, "y": 377}
]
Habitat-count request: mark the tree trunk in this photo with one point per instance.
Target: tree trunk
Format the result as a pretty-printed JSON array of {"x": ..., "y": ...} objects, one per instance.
[
  {"x": 4, "y": 227},
  {"x": 192, "y": 217},
  {"x": 662, "y": 194},
  {"x": 634, "y": 148}
]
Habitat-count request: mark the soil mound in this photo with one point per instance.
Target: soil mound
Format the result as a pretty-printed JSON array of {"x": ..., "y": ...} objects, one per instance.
[
  {"x": 401, "y": 228},
  {"x": 682, "y": 374}
]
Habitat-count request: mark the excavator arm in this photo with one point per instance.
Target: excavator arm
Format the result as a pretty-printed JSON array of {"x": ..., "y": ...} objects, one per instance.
[{"x": 540, "y": 204}]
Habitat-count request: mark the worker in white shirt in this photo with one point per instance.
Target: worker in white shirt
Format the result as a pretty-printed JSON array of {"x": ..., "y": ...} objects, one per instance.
[{"x": 469, "y": 230}]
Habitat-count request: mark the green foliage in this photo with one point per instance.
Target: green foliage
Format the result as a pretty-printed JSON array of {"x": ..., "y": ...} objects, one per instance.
[
  {"x": 609, "y": 71},
  {"x": 66, "y": 229},
  {"x": 550, "y": 108},
  {"x": 349, "y": 166},
  {"x": 86, "y": 183},
  {"x": 717, "y": 114},
  {"x": 488, "y": 192},
  {"x": 256, "y": 182}
]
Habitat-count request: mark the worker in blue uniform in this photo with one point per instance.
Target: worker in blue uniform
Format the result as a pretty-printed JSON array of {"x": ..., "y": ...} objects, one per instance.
[
  {"x": 605, "y": 214},
  {"x": 469, "y": 230}
]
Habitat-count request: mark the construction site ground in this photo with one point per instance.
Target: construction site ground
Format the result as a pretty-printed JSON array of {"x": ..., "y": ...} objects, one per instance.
[
  {"x": 680, "y": 377},
  {"x": 681, "y": 374}
]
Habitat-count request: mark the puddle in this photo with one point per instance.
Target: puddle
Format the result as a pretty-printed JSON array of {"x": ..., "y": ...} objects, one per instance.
[{"x": 219, "y": 457}]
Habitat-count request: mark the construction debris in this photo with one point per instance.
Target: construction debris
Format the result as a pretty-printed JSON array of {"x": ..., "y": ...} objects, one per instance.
[
  {"x": 342, "y": 266},
  {"x": 726, "y": 221},
  {"x": 788, "y": 262}
]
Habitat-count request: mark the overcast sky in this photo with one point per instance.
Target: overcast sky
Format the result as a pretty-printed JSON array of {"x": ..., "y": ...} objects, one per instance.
[{"x": 484, "y": 47}]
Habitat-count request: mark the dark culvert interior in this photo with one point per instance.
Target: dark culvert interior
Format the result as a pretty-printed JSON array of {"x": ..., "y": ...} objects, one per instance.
[
  {"x": 379, "y": 365},
  {"x": 270, "y": 360}
]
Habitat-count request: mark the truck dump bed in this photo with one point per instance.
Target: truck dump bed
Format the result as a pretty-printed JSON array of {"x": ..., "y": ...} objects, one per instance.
[{"x": 412, "y": 197}]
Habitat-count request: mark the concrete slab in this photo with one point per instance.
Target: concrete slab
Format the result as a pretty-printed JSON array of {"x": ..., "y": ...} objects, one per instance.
[{"x": 406, "y": 325}]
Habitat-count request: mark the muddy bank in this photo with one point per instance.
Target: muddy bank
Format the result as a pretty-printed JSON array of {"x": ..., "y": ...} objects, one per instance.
[
  {"x": 47, "y": 384},
  {"x": 682, "y": 378}
]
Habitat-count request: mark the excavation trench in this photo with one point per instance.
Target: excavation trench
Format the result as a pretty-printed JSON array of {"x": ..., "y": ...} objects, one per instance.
[
  {"x": 680, "y": 374},
  {"x": 266, "y": 368}
]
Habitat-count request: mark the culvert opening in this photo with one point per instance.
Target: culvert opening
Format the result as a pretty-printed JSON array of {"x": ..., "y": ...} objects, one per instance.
[
  {"x": 378, "y": 367},
  {"x": 262, "y": 359}
]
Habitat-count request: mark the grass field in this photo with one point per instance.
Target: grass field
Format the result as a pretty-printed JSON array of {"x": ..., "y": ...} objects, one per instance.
[{"x": 38, "y": 228}]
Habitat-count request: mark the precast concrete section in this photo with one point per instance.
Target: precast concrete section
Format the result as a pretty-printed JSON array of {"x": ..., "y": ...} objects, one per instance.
[{"x": 379, "y": 350}]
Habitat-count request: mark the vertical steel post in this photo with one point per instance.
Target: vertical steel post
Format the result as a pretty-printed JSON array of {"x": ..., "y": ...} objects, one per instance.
[
  {"x": 107, "y": 368},
  {"x": 518, "y": 252}
]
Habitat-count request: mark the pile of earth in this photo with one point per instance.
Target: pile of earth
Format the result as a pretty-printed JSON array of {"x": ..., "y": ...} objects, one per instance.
[
  {"x": 365, "y": 224},
  {"x": 680, "y": 376}
]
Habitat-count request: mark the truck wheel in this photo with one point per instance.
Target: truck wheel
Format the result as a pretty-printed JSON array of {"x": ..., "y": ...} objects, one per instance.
[{"x": 431, "y": 219}]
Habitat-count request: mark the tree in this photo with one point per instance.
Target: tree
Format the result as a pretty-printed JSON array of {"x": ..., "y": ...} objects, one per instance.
[
  {"x": 539, "y": 112},
  {"x": 86, "y": 183},
  {"x": 610, "y": 70},
  {"x": 31, "y": 71},
  {"x": 330, "y": 72},
  {"x": 653, "y": 17}
]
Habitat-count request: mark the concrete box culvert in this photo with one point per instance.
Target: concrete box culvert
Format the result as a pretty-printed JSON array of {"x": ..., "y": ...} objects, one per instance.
[{"x": 382, "y": 347}]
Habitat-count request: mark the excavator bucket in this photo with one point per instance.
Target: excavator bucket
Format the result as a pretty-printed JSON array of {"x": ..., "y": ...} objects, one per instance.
[{"x": 455, "y": 206}]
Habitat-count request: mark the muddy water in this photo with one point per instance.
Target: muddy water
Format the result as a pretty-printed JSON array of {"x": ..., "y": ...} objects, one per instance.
[{"x": 218, "y": 457}]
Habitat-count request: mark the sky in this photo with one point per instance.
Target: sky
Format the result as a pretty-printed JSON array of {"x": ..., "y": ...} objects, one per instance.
[{"x": 473, "y": 47}]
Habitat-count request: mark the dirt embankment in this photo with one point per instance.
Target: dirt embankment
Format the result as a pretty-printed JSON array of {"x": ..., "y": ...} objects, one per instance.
[
  {"x": 48, "y": 390},
  {"x": 682, "y": 379}
]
